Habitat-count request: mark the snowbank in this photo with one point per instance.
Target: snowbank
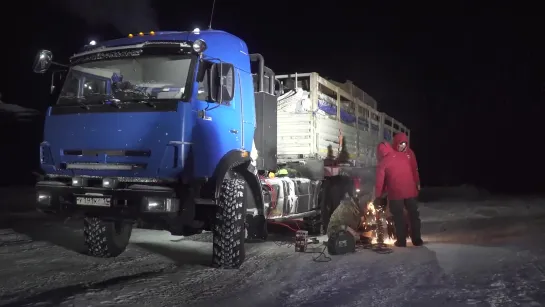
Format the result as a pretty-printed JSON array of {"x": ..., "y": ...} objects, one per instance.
[
  {"x": 450, "y": 210},
  {"x": 17, "y": 199},
  {"x": 10, "y": 112},
  {"x": 21, "y": 132},
  {"x": 463, "y": 192},
  {"x": 446, "y": 204}
]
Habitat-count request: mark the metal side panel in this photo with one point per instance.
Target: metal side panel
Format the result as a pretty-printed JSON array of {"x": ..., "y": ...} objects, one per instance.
[
  {"x": 368, "y": 155},
  {"x": 351, "y": 138},
  {"x": 265, "y": 133},
  {"x": 294, "y": 135},
  {"x": 388, "y": 134},
  {"x": 327, "y": 133},
  {"x": 367, "y": 148},
  {"x": 292, "y": 196}
]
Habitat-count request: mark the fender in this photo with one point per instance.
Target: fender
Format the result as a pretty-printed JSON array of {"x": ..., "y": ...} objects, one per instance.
[{"x": 239, "y": 161}]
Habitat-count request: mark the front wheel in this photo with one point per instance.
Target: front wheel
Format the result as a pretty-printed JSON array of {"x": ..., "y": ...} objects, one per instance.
[
  {"x": 106, "y": 239},
  {"x": 229, "y": 225}
]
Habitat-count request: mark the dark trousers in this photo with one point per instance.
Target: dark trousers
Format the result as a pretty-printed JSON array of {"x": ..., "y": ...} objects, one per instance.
[
  {"x": 396, "y": 208},
  {"x": 333, "y": 192}
]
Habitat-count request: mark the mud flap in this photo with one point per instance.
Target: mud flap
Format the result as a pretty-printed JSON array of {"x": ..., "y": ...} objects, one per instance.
[
  {"x": 256, "y": 223},
  {"x": 257, "y": 227}
]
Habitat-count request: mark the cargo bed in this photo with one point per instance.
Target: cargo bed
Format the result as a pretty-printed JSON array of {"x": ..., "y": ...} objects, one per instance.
[{"x": 310, "y": 119}]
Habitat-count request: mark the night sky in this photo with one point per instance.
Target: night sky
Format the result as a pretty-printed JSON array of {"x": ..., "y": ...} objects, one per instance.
[{"x": 467, "y": 80}]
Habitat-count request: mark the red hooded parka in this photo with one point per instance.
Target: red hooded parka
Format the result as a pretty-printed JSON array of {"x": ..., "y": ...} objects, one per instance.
[
  {"x": 394, "y": 174},
  {"x": 400, "y": 138}
]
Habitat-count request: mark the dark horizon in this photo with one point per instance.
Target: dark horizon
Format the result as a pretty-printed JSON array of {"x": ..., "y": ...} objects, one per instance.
[{"x": 468, "y": 85}]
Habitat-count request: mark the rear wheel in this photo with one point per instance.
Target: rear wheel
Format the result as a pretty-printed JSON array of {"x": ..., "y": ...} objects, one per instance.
[
  {"x": 229, "y": 225},
  {"x": 106, "y": 239}
]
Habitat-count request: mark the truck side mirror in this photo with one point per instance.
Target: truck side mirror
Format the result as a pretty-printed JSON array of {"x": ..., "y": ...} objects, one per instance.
[
  {"x": 43, "y": 61},
  {"x": 222, "y": 85}
]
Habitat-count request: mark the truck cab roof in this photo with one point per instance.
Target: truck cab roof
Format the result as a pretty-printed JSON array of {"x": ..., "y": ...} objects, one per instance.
[{"x": 215, "y": 37}]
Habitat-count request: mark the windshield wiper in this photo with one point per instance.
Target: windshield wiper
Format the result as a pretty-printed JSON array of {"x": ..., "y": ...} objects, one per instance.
[
  {"x": 105, "y": 99},
  {"x": 128, "y": 92},
  {"x": 147, "y": 101},
  {"x": 84, "y": 105},
  {"x": 113, "y": 101},
  {"x": 78, "y": 100}
]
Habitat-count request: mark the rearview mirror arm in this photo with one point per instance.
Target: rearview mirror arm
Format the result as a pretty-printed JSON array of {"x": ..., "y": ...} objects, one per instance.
[{"x": 59, "y": 64}]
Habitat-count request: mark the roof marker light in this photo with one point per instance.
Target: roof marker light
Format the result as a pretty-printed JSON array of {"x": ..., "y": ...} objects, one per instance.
[
  {"x": 131, "y": 36},
  {"x": 196, "y": 31},
  {"x": 92, "y": 43},
  {"x": 152, "y": 33},
  {"x": 141, "y": 34}
]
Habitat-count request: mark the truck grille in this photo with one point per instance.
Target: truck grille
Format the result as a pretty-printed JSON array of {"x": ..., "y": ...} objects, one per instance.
[
  {"x": 104, "y": 166},
  {"x": 111, "y": 153}
]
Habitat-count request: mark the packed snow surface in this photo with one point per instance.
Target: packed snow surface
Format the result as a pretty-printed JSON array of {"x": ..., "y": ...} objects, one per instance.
[{"x": 487, "y": 253}]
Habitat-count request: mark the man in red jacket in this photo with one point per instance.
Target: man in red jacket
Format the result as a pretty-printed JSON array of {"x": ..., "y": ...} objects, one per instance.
[
  {"x": 401, "y": 144},
  {"x": 395, "y": 177}
]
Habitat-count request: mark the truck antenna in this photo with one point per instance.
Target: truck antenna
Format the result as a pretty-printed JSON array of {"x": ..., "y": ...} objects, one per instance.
[{"x": 212, "y": 14}]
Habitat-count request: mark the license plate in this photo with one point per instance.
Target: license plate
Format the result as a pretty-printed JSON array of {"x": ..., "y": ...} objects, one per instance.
[{"x": 93, "y": 201}]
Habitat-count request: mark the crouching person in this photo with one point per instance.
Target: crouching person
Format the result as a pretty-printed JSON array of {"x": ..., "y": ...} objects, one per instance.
[
  {"x": 395, "y": 176},
  {"x": 335, "y": 190},
  {"x": 349, "y": 217}
]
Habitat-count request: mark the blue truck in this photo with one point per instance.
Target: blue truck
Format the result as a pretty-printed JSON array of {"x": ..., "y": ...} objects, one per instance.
[{"x": 179, "y": 130}]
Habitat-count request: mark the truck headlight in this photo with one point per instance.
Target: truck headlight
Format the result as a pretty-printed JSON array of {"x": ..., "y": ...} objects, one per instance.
[
  {"x": 199, "y": 46},
  {"x": 109, "y": 183},
  {"x": 156, "y": 204},
  {"x": 79, "y": 182},
  {"x": 43, "y": 198}
]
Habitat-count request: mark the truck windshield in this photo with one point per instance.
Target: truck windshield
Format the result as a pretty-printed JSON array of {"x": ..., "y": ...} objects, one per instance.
[{"x": 128, "y": 79}]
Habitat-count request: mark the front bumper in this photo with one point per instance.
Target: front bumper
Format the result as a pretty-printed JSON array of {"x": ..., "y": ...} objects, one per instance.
[{"x": 129, "y": 202}]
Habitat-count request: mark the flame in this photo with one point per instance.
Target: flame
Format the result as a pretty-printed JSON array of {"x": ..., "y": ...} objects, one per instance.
[
  {"x": 372, "y": 216},
  {"x": 370, "y": 208},
  {"x": 387, "y": 241}
]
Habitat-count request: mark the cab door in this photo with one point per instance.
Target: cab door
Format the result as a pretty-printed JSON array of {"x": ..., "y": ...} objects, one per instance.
[{"x": 218, "y": 125}]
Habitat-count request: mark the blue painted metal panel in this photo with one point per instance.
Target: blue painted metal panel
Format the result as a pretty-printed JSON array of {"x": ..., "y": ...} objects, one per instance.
[
  {"x": 152, "y": 131},
  {"x": 215, "y": 136},
  {"x": 155, "y": 131}
]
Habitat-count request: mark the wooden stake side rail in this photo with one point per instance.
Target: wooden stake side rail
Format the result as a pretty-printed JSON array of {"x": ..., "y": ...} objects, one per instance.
[{"x": 388, "y": 125}]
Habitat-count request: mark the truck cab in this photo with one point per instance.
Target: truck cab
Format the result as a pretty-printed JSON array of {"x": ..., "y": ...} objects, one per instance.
[{"x": 157, "y": 127}]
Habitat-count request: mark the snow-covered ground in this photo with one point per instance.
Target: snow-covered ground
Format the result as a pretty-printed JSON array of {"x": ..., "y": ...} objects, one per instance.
[
  {"x": 450, "y": 210},
  {"x": 488, "y": 253}
]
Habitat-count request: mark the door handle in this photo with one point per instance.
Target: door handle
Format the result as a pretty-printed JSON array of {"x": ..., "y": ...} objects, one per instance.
[{"x": 233, "y": 131}]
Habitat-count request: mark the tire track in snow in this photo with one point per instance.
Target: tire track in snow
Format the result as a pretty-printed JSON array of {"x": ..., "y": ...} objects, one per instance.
[{"x": 56, "y": 296}]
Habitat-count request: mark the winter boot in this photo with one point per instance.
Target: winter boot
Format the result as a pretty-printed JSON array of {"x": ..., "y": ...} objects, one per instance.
[
  {"x": 417, "y": 242},
  {"x": 400, "y": 243}
]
